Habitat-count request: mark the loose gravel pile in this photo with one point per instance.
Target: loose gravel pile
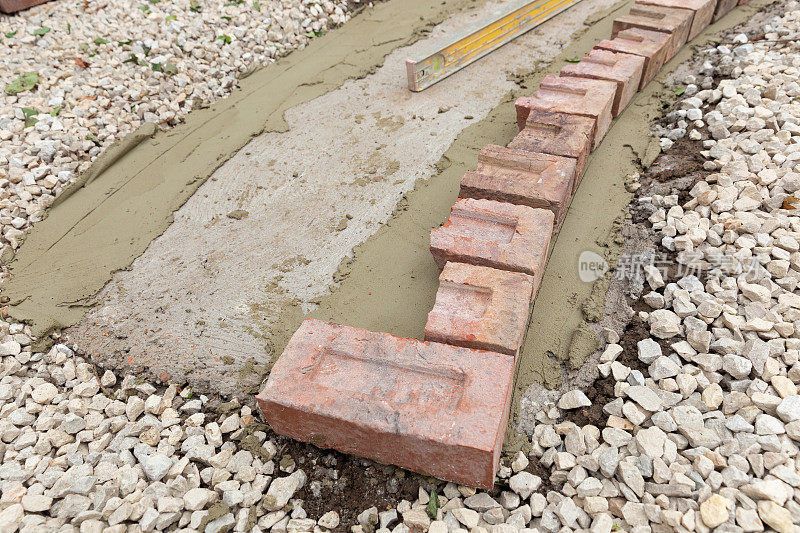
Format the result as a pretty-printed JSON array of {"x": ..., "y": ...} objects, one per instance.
[
  {"x": 703, "y": 428},
  {"x": 78, "y": 76}
]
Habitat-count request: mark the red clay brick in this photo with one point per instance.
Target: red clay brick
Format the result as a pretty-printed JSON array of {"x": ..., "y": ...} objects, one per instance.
[
  {"x": 623, "y": 69},
  {"x": 702, "y": 11},
  {"x": 494, "y": 234},
  {"x": 523, "y": 178},
  {"x": 557, "y": 134},
  {"x": 723, "y": 8},
  {"x": 432, "y": 408},
  {"x": 651, "y": 45},
  {"x": 12, "y": 6},
  {"x": 481, "y": 307},
  {"x": 576, "y": 96},
  {"x": 673, "y": 22}
]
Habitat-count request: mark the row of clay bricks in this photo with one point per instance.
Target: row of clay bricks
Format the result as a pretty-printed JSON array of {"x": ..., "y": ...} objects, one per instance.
[
  {"x": 440, "y": 406},
  {"x": 494, "y": 247}
]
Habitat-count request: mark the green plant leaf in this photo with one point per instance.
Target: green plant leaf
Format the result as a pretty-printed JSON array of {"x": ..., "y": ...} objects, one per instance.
[
  {"x": 11, "y": 34},
  {"x": 29, "y": 114},
  {"x": 257, "y": 5},
  {"x": 171, "y": 69},
  {"x": 433, "y": 505},
  {"x": 171, "y": 18},
  {"x": 41, "y": 31},
  {"x": 100, "y": 41},
  {"x": 224, "y": 38},
  {"x": 225, "y": 17},
  {"x": 25, "y": 82},
  {"x": 56, "y": 111},
  {"x": 194, "y": 6},
  {"x": 573, "y": 60},
  {"x": 679, "y": 90},
  {"x": 156, "y": 67}
]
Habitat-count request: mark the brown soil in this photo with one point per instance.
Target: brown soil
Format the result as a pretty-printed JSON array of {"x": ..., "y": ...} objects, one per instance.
[
  {"x": 602, "y": 392},
  {"x": 680, "y": 161},
  {"x": 344, "y": 482},
  {"x": 340, "y": 482},
  {"x": 674, "y": 172}
]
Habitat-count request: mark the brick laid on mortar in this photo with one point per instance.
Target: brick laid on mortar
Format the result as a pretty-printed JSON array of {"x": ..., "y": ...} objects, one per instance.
[
  {"x": 428, "y": 407},
  {"x": 723, "y": 8},
  {"x": 495, "y": 234},
  {"x": 651, "y": 45},
  {"x": 575, "y": 96},
  {"x": 481, "y": 307},
  {"x": 673, "y": 22},
  {"x": 433, "y": 407},
  {"x": 557, "y": 134},
  {"x": 623, "y": 69},
  {"x": 523, "y": 178},
  {"x": 702, "y": 11}
]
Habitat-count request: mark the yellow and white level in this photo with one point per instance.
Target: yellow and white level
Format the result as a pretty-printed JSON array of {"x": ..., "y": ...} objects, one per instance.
[{"x": 478, "y": 39}]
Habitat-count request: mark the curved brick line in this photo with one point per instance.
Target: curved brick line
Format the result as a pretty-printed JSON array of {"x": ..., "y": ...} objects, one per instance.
[
  {"x": 442, "y": 409},
  {"x": 567, "y": 116}
]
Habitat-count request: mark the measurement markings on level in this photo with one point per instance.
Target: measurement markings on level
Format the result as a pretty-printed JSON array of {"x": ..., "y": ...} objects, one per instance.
[{"x": 478, "y": 39}]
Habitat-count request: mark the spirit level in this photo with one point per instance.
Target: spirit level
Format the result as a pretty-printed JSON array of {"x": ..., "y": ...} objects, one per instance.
[{"x": 478, "y": 39}]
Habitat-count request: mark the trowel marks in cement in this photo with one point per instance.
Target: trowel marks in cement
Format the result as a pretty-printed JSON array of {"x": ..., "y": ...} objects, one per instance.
[
  {"x": 261, "y": 243},
  {"x": 130, "y": 194}
]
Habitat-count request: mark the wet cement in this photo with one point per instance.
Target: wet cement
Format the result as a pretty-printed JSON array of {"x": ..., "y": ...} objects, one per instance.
[
  {"x": 127, "y": 198},
  {"x": 267, "y": 239}
]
